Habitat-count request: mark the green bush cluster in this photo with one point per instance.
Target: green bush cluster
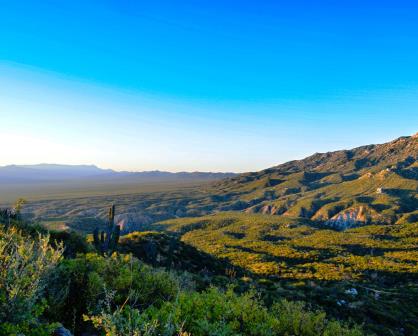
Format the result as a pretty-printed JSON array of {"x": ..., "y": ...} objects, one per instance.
[
  {"x": 122, "y": 296},
  {"x": 215, "y": 312},
  {"x": 82, "y": 284}
]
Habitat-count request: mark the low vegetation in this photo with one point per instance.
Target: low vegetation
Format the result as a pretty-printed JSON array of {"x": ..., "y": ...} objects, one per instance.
[
  {"x": 40, "y": 289},
  {"x": 297, "y": 259}
]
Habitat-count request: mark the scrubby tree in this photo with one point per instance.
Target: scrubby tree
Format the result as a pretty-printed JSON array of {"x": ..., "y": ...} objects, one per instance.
[{"x": 25, "y": 266}]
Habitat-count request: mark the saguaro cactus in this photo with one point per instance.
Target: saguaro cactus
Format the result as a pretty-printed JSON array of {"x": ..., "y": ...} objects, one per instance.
[{"x": 108, "y": 240}]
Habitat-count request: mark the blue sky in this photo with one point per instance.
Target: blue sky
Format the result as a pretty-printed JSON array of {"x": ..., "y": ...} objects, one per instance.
[{"x": 193, "y": 85}]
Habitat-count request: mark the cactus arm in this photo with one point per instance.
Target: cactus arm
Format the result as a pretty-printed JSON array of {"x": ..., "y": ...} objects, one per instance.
[
  {"x": 96, "y": 240},
  {"x": 109, "y": 239}
]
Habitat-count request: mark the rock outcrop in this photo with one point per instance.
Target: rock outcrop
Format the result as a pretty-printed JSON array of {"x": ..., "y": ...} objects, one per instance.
[
  {"x": 350, "y": 218},
  {"x": 132, "y": 221},
  {"x": 61, "y": 331}
]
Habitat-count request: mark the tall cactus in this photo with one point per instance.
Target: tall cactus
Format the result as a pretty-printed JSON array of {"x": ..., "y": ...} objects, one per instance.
[{"x": 107, "y": 243}]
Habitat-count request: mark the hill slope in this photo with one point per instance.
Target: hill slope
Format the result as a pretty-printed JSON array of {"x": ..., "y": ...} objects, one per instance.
[{"x": 368, "y": 184}]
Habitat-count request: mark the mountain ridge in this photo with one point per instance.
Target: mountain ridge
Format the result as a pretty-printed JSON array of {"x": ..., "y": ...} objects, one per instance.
[
  {"x": 371, "y": 183},
  {"x": 50, "y": 172}
]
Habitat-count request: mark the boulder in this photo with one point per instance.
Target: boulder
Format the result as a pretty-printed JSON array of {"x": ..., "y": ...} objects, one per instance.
[{"x": 61, "y": 331}]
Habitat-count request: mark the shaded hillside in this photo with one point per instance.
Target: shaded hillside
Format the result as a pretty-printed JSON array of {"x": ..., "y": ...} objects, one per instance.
[{"x": 160, "y": 249}]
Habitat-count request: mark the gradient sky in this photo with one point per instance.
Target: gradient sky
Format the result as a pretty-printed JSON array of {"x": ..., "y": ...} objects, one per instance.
[{"x": 203, "y": 85}]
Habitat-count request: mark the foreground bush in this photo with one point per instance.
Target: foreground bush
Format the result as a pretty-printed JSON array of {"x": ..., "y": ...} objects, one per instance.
[
  {"x": 294, "y": 319},
  {"x": 82, "y": 284},
  {"x": 217, "y": 313},
  {"x": 119, "y": 295},
  {"x": 25, "y": 269}
]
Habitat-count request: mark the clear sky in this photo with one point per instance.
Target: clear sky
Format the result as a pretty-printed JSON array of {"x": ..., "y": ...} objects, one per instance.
[{"x": 203, "y": 85}]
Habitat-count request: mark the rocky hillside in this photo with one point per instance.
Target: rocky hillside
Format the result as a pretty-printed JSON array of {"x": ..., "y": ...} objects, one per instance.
[{"x": 368, "y": 184}]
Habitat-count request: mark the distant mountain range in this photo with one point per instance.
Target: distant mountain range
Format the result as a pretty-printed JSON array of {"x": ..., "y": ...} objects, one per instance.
[{"x": 57, "y": 172}]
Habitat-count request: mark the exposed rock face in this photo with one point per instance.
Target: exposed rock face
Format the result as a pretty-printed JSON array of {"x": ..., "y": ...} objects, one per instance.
[
  {"x": 132, "y": 221},
  {"x": 380, "y": 190},
  {"x": 366, "y": 176},
  {"x": 351, "y": 291},
  {"x": 265, "y": 209},
  {"x": 349, "y": 218},
  {"x": 269, "y": 209}
]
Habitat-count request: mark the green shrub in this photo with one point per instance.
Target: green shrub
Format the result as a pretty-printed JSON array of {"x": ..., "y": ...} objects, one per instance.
[
  {"x": 25, "y": 269},
  {"x": 294, "y": 319},
  {"x": 122, "y": 321},
  {"x": 87, "y": 279},
  {"x": 73, "y": 242},
  {"x": 218, "y": 313}
]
